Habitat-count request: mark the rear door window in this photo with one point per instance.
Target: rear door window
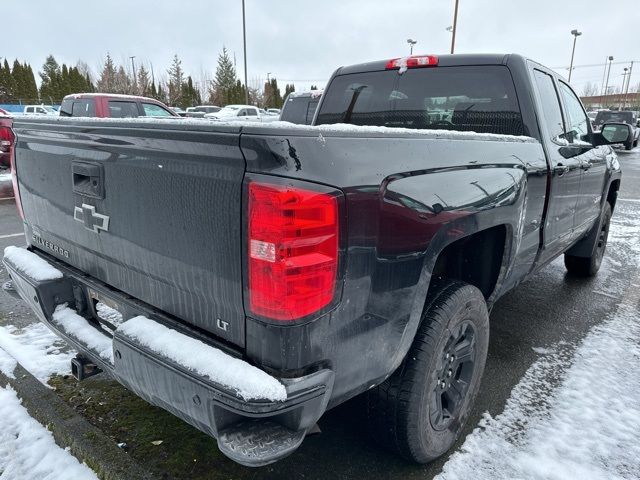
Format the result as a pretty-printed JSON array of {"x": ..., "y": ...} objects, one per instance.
[
  {"x": 550, "y": 104},
  {"x": 153, "y": 110},
  {"x": 467, "y": 98},
  {"x": 251, "y": 112},
  {"x": 84, "y": 108},
  {"x": 120, "y": 109}
]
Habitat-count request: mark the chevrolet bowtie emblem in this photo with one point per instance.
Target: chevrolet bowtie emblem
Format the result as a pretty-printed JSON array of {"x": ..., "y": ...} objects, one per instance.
[{"x": 92, "y": 221}]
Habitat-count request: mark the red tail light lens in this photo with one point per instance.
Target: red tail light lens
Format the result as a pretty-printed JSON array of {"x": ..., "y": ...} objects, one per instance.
[
  {"x": 293, "y": 251},
  {"x": 415, "y": 61},
  {"x": 7, "y": 147}
]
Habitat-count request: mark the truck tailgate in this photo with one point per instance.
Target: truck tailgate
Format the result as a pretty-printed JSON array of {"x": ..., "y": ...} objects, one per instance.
[{"x": 150, "y": 208}]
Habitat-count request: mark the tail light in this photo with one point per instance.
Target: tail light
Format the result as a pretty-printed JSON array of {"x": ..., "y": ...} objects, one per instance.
[
  {"x": 7, "y": 146},
  {"x": 415, "y": 61},
  {"x": 293, "y": 251}
]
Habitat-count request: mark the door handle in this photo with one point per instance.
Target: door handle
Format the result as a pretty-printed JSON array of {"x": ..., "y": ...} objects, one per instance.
[
  {"x": 561, "y": 169},
  {"x": 585, "y": 166},
  {"x": 87, "y": 179}
]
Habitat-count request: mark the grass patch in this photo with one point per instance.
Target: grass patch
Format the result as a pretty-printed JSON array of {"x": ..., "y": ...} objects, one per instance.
[{"x": 185, "y": 452}]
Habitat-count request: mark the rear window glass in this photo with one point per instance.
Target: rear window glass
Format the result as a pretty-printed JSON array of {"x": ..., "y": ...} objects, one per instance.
[
  {"x": 119, "y": 109},
  {"x": 472, "y": 99},
  {"x": 614, "y": 117},
  {"x": 299, "y": 110}
]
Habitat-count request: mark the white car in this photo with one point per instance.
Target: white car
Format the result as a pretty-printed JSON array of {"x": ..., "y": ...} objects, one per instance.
[
  {"x": 240, "y": 113},
  {"x": 39, "y": 110}
]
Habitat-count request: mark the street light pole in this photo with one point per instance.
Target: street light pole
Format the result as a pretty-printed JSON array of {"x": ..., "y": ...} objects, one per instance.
[
  {"x": 604, "y": 74},
  {"x": 455, "y": 25},
  {"x": 411, "y": 43},
  {"x": 244, "y": 40},
  {"x": 606, "y": 85},
  {"x": 133, "y": 68},
  {"x": 575, "y": 34},
  {"x": 624, "y": 82}
]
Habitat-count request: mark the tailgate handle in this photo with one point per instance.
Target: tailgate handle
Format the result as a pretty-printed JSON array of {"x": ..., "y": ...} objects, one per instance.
[{"x": 88, "y": 179}]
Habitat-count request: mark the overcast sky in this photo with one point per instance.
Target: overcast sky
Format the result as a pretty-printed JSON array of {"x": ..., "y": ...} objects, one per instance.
[{"x": 303, "y": 42}]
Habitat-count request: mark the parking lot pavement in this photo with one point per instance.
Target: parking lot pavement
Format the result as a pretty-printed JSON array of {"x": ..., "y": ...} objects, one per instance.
[{"x": 548, "y": 311}]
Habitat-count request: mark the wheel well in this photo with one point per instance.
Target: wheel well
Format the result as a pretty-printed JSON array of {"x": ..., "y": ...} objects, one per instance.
[
  {"x": 475, "y": 259},
  {"x": 612, "y": 194}
]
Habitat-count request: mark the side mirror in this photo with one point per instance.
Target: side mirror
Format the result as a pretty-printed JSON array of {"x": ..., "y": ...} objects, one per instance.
[{"x": 614, "y": 133}]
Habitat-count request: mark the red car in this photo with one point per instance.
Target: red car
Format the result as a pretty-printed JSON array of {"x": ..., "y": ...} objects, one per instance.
[
  {"x": 110, "y": 105},
  {"x": 6, "y": 139}
]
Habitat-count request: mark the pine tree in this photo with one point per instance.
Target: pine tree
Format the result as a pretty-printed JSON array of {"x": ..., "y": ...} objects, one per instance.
[
  {"x": 122, "y": 83},
  {"x": 107, "y": 81},
  {"x": 19, "y": 86},
  {"x": 31, "y": 93},
  {"x": 224, "y": 81},
  {"x": 176, "y": 81},
  {"x": 143, "y": 82},
  {"x": 5, "y": 82},
  {"x": 161, "y": 95},
  {"x": 51, "y": 76},
  {"x": 289, "y": 89}
]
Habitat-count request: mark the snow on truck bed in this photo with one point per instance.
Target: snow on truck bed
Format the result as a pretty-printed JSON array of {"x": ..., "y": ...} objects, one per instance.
[
  {"x": 248, "y": 381},
  {"x": 336, "y": 129}
]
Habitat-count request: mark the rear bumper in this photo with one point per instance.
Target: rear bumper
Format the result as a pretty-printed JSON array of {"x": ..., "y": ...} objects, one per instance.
[{"x": 252, "y": 432}]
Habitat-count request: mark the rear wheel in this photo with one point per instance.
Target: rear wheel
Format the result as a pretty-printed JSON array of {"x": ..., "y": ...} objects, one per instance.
[
  {"x": 421, "y": 409},
  {"x": 589, "y": 266}
]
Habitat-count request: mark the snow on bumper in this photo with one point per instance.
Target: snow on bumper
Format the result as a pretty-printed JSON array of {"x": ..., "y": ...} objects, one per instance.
[{"x": 249, "y": 382}]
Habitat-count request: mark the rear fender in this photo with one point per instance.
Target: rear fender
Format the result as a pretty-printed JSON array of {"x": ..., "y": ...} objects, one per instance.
[{"x": 424, "y": 212}]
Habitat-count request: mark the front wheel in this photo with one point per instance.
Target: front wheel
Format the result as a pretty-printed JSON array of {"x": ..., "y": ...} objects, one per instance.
[
  {"x": 421, "y": 409},
  {"x": 589, "y": 266}
]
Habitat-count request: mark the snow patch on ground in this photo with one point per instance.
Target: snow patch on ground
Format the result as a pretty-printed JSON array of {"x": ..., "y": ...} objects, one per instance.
[
  {"x": 573, "y": 415},
  {"x": 586, "y": 427},
  {"x": 27, "y": 449},
  {"x": 248, "y": 381},
  {"x": 31, "y": 264},
  {"x": 37, "y": 349},
  {"x": 78, "y": 327}
]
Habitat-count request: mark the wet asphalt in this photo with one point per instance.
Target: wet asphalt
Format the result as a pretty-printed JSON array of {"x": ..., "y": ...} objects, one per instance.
[{"x": 550, "y": 309}]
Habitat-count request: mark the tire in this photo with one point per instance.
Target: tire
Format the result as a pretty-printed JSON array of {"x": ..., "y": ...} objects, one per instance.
[
  {"x": 407, "y": 411},
  {"x": 589, "y": 266},
  {"x": 628, "y": 145}
]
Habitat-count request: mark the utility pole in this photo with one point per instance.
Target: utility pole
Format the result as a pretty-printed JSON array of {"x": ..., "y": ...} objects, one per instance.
[
  {"x": 455, "y": 25},
  {"x": 604, "y": 74},
  {"x": 575, "y": 34},
  {"x": 411, "y": 43},
  {"x": 606, "y": 85},
  {"x": 133, "y": 69},
  {"x": 244, "y": 39},
  {"x": 626, "y": 90}
]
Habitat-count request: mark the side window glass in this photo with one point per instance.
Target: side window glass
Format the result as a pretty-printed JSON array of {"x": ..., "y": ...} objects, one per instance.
[
  {"x": 118, "y": 109},
  {"x": 153, "y": 110},
  {"x": 577, "y": 121},
  {"x": 251, "y": 112},
  {"x": 550, "y": 104}
]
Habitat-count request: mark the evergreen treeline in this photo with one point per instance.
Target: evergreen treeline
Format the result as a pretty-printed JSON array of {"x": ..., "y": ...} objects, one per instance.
[{"x": 176, "y": 88}]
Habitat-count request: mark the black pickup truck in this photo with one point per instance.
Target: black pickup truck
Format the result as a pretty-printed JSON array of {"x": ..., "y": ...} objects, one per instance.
[{"x": 256, "y": 276}]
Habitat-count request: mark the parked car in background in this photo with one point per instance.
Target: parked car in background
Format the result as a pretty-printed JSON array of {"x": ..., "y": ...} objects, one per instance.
[
  {"x": 276, "y": 111},
  {"x": 7, "y": 140},
  {"x": 179, "y": 111},
  {"x": 201, "y": 110},
  {"x": 300, "y": 107},
  {"x": 241, "y": 113},
  {"x": 39, "y": 110},
  {"x": 625, "y": 116},
  {"x": 110, "y": 105}
]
